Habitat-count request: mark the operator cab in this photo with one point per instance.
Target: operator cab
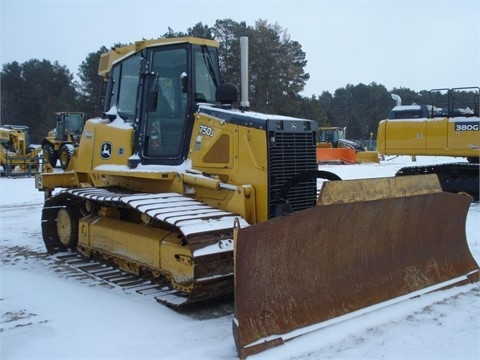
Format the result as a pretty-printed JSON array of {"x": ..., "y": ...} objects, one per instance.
[
  {"x": 176, "y": 77},
  {"x": 69, "y": 126},
  {"x": 330, "y": 135}
]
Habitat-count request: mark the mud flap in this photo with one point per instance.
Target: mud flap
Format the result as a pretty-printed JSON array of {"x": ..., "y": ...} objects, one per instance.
[{"x": 334, "y": 259}]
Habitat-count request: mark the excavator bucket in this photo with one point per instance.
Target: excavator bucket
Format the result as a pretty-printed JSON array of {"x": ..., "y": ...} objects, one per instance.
[
  {"x": 367, "y": 243},
  {"x": 336, "y": 155}
]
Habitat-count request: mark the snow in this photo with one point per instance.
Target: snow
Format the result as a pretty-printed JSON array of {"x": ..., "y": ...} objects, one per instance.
[
  {"x": 228, "y": 113},
  {"x": 120, "y": 123},
  {"x": 184, "y": 166},
  {"x": 47, "y": 313},
  {"x": 407, "y": 107}
]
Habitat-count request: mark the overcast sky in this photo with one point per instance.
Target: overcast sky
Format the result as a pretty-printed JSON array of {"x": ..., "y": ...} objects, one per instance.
[{"x": 421, "y": 45}]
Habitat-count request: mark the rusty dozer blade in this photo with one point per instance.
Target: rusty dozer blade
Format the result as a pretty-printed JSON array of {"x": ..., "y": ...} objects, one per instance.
[{"x": 397, "y": 239}]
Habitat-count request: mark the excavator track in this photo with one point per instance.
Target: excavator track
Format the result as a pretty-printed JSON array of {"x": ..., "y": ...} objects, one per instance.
[
  {"x": 454, "y": 177},
  {"x": 195, "y": 237}
]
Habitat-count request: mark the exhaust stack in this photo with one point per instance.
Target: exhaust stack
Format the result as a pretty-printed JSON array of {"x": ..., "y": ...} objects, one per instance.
[
  {"x": 397, "y": 99},
  {"x": 244, "y": 103}
]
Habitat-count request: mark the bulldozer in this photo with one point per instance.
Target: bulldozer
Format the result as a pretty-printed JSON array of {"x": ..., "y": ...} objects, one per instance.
[
  {"x": 446, "y": 129},
  {"x": 17, "y": 155},
  {"x": 61, "y": 142},
  {"x": 181, "y": 183},
  {"x": 334, "y": 148}
]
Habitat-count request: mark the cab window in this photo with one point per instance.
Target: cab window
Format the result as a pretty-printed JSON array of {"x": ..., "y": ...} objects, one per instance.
[{"x": 123, "y": 93}]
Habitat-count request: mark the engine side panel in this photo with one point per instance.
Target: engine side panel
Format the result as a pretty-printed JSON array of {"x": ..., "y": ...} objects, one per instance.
[{"x": 456, "y": 136}]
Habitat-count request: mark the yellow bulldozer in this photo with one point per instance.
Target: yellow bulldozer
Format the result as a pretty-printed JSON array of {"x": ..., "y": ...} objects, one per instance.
[
  {"x": 451, "y": 128},
  {"x": 61, "y": 142},
  {"x": 178, "y": 184},
  {"x": 17, "y": 155}
]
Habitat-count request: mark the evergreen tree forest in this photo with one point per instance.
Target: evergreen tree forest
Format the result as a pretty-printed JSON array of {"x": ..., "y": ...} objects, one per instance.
[{"x": 33, "y": 90}]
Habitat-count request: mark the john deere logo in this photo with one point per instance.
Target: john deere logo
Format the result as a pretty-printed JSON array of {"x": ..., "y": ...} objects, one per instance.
[{"x": 106, "y": 150}]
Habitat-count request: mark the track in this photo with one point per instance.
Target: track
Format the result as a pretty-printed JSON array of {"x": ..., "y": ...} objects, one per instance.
[
  {"x": 454, "y": 177},
  {"x": 196, "y": 237},
  {"x": 84, "y": 267}
]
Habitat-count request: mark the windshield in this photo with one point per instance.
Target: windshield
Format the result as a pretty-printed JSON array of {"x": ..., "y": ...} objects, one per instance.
[
  {"x": 329, "y": 135},
  {"x": 74, "y": 123}
]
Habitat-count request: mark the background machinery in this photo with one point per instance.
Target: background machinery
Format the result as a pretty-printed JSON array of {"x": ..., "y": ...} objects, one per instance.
[
  {"x": 61, "y": 142},
  {"x": 333, "y": 147},
  {"x": 17, "y": 155},
  {"x": 447, "y": 129},
  {"x": 177, "y": 185}
]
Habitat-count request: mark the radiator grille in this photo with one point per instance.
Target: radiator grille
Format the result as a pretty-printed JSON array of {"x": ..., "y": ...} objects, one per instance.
[{"x": 291, "y": 153}]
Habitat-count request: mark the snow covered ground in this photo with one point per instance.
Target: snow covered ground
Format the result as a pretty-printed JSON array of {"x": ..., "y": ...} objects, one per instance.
[{"x": 46, "y": 312}]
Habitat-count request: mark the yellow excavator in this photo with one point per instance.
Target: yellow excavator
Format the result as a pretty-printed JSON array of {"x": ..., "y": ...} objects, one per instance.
[
  {"x": 451, "y": 129},
  {"x": 17, "y": 155},
  {"x": 181, "y": 183}
]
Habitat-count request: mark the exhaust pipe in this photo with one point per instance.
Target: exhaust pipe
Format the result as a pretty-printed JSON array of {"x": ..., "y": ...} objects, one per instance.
[
  {"x": 397, "y": 98},
  {"x": 244, "y": 103}
]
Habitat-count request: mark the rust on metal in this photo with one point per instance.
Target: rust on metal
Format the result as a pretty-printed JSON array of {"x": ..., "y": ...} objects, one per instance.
[
  {"x": 330, "y": 260},
  {"x": 333, "y": 192}
]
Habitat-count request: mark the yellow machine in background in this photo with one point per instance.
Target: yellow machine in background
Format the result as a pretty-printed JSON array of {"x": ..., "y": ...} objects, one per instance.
[
  {"x": 159, "y": 183},
  {"x": 61, "y": 142},
  {"x": 428, "y": 130},
  {"x": 452, "y": 130},
  {"x": 17, "y": 155}
]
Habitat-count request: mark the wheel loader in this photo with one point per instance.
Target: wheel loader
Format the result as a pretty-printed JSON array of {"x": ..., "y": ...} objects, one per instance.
[
  {"x": 17, "y": 155},
  {"x": 60, "y": 143},
  {"x": 181, "y": 183},
  {"x": 445, "y": 129}
]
